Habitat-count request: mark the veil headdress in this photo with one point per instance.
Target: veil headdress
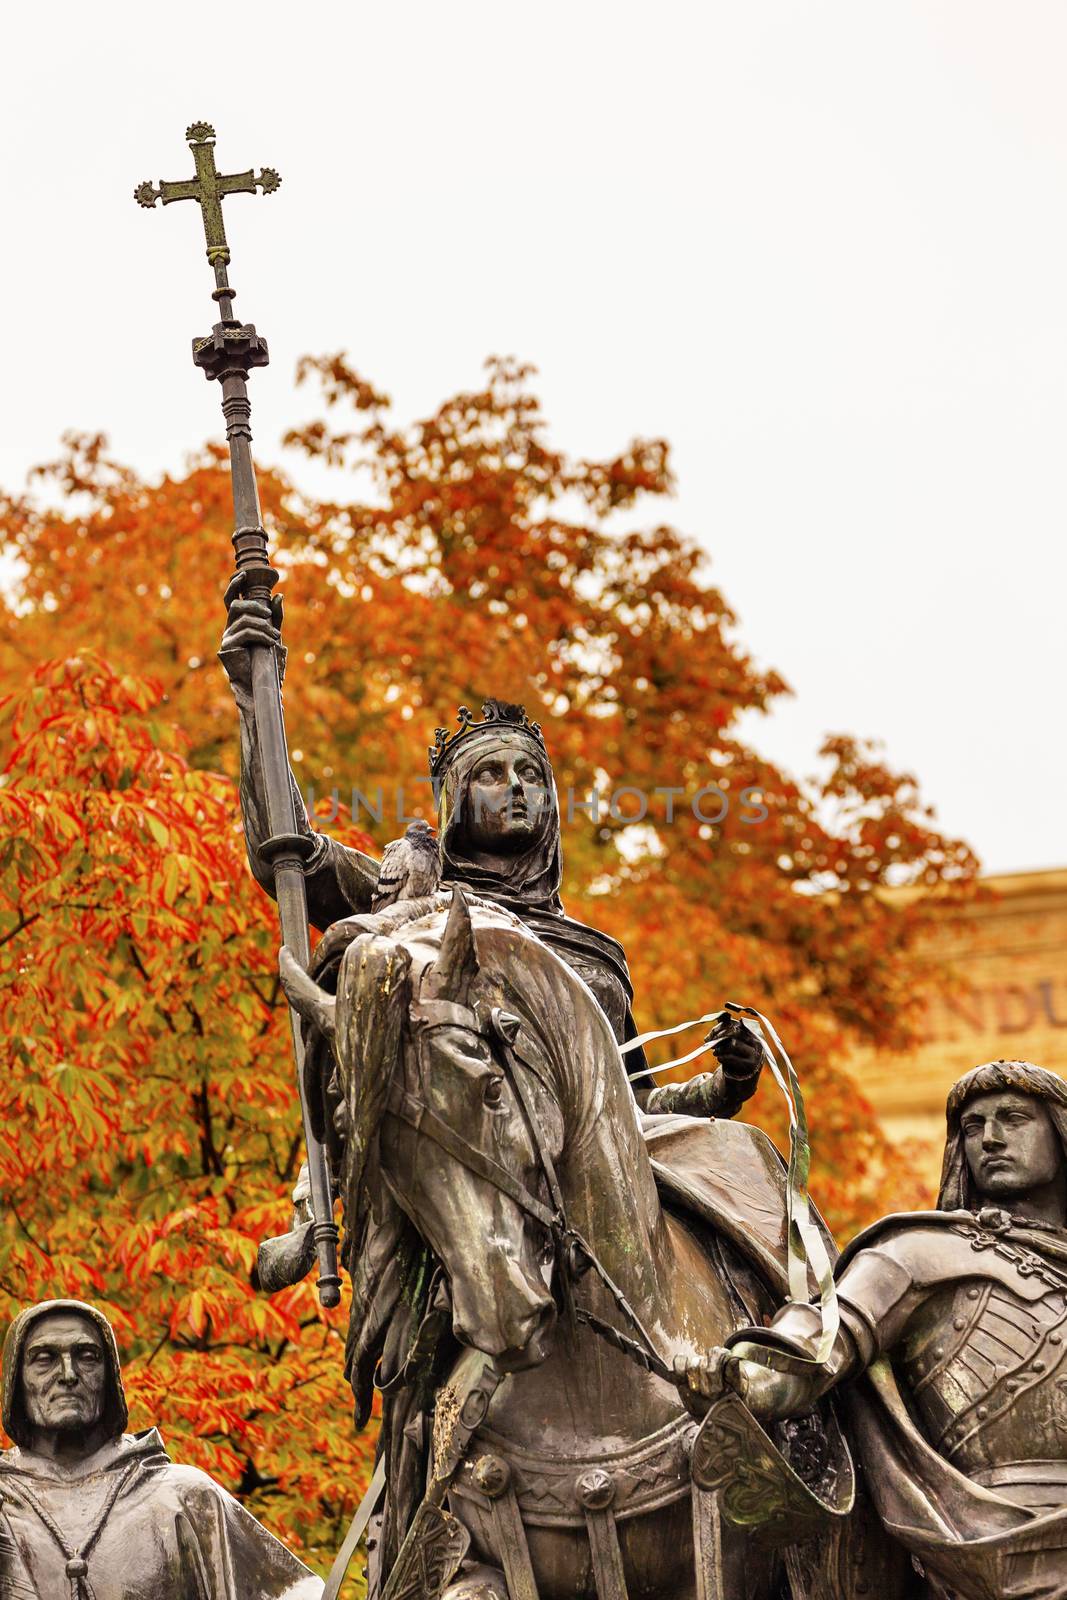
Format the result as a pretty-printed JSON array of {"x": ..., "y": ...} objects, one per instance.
[
  {"x": 957, "y": 1192},
  {"x": 532, "y": 877},
  {"x": 530, "y": 883}
]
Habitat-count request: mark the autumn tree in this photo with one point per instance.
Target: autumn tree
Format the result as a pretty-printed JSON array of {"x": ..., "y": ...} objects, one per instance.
[
  {"x": 149, "y": 1125},
  {"x": 461, "y": 556}
]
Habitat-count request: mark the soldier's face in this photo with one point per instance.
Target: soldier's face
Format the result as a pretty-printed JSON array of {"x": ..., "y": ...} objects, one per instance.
[
  {"x": 506, "y": 800},
  {"x": 1011, "y": 1144},
  {"x": 63, "y": 1374}
]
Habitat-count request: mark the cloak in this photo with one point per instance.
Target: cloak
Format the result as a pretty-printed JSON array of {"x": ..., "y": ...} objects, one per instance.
[
  {"x": 134, "y": 1524},
  {"x": 173, "y": 1533}
]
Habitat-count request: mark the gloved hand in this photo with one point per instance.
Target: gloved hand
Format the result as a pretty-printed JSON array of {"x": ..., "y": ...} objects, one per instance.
[
  {"x": 249, "y": 623},
  {"x": 736, "y": 1048},
  {"x": 769, "y": 1392}
]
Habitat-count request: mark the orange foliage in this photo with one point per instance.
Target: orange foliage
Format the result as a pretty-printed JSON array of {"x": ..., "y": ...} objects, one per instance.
[
  {"x": 149, "y": 1076},
  {"x": 148, "y": 1114}
]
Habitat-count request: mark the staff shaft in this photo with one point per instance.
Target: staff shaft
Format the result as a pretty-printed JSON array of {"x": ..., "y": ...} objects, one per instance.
[
  {"x": 227, "y": 355},
  {"x": 287, "y": 848}
]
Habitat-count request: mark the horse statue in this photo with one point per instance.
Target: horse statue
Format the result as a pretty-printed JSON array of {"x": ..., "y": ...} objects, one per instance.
[{"x": 532, "y": 1263}]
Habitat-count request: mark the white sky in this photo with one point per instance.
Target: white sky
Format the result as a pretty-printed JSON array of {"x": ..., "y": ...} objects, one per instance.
[{"x": 820, "y": 247}]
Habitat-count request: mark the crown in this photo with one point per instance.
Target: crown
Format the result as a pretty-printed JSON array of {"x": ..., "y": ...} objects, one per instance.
[{"x": 495, "y": 714}]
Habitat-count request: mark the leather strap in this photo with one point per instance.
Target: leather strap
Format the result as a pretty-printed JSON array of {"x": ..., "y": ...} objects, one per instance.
[
  {"x": 493, "y": 1476},
  {"x": 417, "y": 1114},
  {"x": 707, "y": 1544},
  {"x": 596, "y": 1491},
  {"x": 608, "y": 1571},
  {"x": 355, "y": 1532},
  {"x": 444, "y": 1014}
]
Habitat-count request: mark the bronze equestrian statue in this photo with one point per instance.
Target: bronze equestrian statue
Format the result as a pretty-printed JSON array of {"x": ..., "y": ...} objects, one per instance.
[
  {"x": 531, "y": 1256},
  {"x": 455, "y": 1176},
  {"x": 541, "y": 1262},
  {"x": 509, "y": 1211}
]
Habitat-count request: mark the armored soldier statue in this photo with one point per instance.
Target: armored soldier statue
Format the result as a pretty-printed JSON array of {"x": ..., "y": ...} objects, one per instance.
[
  {"x": 498, "y": 834},
  {"x": 967, "y": 1459},
  {"x": 90, "y": 1512}
]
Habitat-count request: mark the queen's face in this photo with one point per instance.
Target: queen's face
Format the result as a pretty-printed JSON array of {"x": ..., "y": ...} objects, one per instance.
[
  {"x": 1011, "y": 1145},
  {"x": 506, "y": 804}
]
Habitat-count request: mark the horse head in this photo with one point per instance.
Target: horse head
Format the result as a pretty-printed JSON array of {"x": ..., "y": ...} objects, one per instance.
[{"x": 420, "y": 1041}]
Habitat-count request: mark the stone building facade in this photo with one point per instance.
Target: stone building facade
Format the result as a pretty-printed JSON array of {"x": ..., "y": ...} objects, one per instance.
[{"x": 1011, "y": 962}]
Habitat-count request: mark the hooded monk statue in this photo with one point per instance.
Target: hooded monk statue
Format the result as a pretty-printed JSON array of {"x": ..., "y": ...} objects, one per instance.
[{"x": 91, "y": 1512}]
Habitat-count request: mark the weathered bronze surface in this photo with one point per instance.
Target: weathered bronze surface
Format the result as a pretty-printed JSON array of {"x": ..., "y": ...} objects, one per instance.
[
  {"x": 964, "y": 1434},
  {"x": 207, "y": 189},
  {"x": 589, "y": 1388},
  {"x": 90, "y": 1512},
  {"x": 543, "y": 1252},
  {"x": 503, "y": 1195}
]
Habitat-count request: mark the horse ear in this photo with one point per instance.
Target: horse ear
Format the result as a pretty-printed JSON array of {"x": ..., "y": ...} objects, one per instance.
[{"x": 456, "y": 966}]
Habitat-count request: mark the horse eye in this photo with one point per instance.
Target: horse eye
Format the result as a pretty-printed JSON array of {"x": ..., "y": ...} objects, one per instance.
[{"x": 494, "y": 1092}]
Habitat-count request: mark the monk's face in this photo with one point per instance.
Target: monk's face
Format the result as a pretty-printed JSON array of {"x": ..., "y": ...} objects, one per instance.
[
  {"x": 63, "y": 1374},
  {"x": 1011, "y": 1144},
  {"x": 506, "y": 803}
]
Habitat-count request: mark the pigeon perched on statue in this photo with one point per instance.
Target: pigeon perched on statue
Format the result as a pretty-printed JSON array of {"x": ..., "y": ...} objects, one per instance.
[{"x": 410, "y": 867}]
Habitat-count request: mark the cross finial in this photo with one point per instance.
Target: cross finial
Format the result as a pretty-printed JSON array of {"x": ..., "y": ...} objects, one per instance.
[{"x": 208, "y": 188}]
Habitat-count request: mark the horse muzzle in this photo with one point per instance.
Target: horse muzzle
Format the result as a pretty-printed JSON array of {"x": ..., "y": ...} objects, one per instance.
[{"x": 514, "y": 1345}]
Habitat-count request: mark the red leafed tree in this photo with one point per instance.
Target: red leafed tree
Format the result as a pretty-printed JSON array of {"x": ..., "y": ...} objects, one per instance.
[{"x": 150, "y": 1070}]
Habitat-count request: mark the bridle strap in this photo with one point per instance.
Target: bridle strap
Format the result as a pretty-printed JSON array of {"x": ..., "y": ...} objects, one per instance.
[
  {"x": 444, "y": 1014},
  {"x": 568, "y": 1235},
  {"x": 418, "y": 1115}
]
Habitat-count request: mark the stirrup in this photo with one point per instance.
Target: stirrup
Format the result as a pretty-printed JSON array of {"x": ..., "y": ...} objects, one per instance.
[{"x": 780, "y": 1489}]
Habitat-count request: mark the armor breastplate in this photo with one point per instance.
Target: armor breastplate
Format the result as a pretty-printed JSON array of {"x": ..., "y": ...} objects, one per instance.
[{"x": 987, "y": 1370}]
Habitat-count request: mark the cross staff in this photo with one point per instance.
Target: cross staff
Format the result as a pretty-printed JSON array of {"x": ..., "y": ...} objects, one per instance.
[
  {"x": 208, "y": 187},
  {"x": 227, "y": 355}
]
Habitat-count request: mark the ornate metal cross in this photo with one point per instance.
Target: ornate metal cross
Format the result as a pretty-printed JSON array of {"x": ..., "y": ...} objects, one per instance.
[{"x": 208, "y": 188}]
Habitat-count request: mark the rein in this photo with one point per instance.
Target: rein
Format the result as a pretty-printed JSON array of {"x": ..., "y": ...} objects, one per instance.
[{"x": 806, "y": 1250}]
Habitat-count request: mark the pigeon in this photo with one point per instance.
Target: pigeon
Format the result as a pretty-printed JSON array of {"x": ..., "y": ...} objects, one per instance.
[{"x": 410, "y": 868}]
